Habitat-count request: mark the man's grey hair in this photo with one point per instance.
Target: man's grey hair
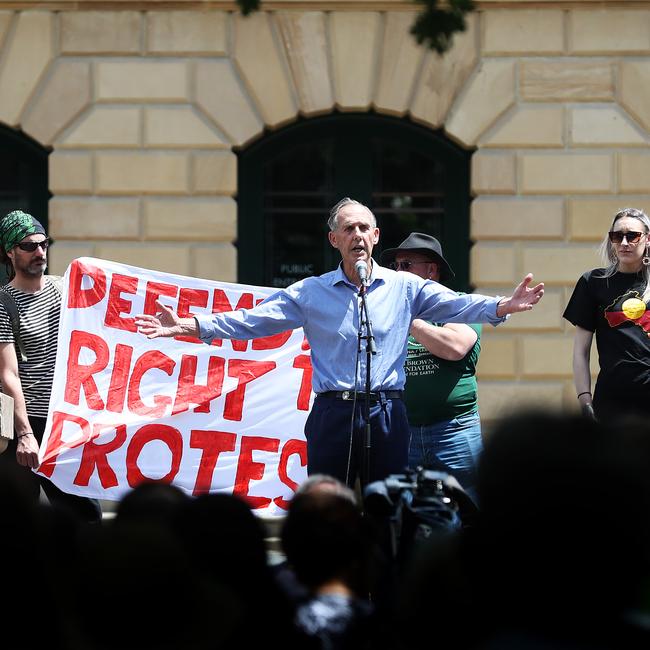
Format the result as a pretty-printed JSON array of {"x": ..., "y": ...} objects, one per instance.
[
  {"x": 326, "y": 483},
  {"x": 333, "y": 221}
]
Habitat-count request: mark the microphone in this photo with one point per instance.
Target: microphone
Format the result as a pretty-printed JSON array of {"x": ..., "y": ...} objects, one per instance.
[{"x": 361, "y": 269}]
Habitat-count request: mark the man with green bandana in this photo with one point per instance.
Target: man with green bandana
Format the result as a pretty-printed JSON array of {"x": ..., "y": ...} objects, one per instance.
[{"x": 23, "y": 250}]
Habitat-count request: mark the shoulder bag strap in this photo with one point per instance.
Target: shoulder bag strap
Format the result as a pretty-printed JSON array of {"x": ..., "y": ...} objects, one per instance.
[{"x": 11, "y": 308}]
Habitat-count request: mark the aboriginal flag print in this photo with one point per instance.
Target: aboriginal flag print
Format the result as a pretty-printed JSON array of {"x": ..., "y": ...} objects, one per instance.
[{"x": 629, "y": 308}]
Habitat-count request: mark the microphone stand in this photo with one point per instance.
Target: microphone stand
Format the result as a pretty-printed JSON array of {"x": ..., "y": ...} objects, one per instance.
[{"x": 365, "y": 322}]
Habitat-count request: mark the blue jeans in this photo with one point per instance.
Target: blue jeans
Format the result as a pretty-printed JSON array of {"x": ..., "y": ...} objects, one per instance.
[{"x": 455, "y": 444}]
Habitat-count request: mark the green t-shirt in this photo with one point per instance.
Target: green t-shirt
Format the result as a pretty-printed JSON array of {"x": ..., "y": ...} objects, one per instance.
[{"x": 437, "y": 389}]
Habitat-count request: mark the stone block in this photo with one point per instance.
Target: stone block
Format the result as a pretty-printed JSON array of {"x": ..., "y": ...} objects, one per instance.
[
  {"x": 187, "y": 32},
  {"x": 517, "y": 218},
  {"x": 576, "y": 173},
  {"x": 27, "y": 53},
  {"x": 105, "y": 127},
  {"x": 303, "y": 35},
  {"x": 547, "y": 314},
  {"x": 498, "y": 355},
  {"x": 212, "y": 219},
  {"x": 179, "y": 126},
  {"x": 500, "y": 399},
  {"x": 153, "y": 256},
  {"x": 353, "y": 43},
  {"x": 64, "y": 95},
  {"x": 220, "y": 96},
  {"x": 633, "y": 172},
  {"x": 216, "y": 262},
  {"x": 5, "y": 21},
  {"x": 142, "y": 173},
  {"x": 549, "y": 356},
  {"x": 493, "y": 263},
  {"x": 589, "y": 219},
  {"x": 603, "y": 126},
  {"x": 214, "y": 173},
  {"x": 71, "y": 172},
  {"x": 94, "y": 218},
  {"x": 609, "y": 31},
  {"x": 138, "y": 80},
  {"x": 571, "y": 404},
  {"x": 527, "y": 126},
  {"x": 594, "y": 366},
  {"x": 263, "y": 67},
  {"x": 494, "y": 172},
  {"x": 634, "y": 90},
  {"x": 63, "y": 253},
  {"x": 100, "y": 32},
  {"x": 523, "y": 31},
  {"x": 561, "y": 264},
  {"x": 442, "y": 77},
  {"x": 486, "y": 96},
  {"x": 567, "y": 80},
  {"x": 400, "y": 58}
]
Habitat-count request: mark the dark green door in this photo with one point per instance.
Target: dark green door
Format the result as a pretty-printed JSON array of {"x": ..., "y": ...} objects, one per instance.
[
  {"x": 412, "y": 178},
  {"x": 23, "y": 177}
]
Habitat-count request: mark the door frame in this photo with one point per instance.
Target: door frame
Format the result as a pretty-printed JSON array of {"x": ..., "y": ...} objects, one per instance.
[{"x": 351, "y": 132}]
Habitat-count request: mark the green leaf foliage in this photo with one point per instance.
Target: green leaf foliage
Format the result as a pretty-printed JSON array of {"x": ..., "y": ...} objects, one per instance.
[
  {"x": 436, "y": 26},
  {"x": 248, "y": 6}
]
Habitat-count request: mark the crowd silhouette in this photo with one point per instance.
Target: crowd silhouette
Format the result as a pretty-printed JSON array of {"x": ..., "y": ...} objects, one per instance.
[{"x": 557, "y": 556}]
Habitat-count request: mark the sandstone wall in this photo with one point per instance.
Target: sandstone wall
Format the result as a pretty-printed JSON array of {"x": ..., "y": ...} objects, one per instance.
[{"x": 142, "y": 109}]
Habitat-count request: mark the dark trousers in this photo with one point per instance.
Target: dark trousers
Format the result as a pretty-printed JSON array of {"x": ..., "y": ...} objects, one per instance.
[
  {"x": 336, "y": 439},
  {"x": 87, "y": 510}
]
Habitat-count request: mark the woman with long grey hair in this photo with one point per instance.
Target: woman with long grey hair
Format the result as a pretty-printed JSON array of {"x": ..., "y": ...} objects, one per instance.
[{"x": 612, "y": 303}]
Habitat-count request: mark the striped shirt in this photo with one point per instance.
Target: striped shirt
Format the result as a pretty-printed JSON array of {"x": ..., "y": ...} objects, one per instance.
[{"x": 39, "y": 326}]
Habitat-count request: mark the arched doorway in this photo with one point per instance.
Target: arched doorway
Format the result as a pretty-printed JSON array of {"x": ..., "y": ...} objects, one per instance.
[
  {"x": 23, "y": 177},
  {"x": 413, "y": 179},
  {"x": 23, "y": 174}
]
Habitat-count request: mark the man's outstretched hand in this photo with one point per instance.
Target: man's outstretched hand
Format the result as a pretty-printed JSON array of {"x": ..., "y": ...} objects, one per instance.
[
  {"x": 165, "y": 323},
  {"x": 524, "y": 298}
]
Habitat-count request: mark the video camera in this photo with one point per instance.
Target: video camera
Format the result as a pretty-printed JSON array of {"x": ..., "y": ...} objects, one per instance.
[{"x": 417, "y": 505}]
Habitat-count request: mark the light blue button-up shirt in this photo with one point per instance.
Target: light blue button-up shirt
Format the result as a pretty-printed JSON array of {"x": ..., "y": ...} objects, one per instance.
[{"x": 327, "y": 308}]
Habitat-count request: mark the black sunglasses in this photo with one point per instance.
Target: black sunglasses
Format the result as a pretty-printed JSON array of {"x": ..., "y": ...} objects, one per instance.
[
  {"x": 405, "y": 265},
  {"x": 632, "y": 236},
  {"x": 31, "y": 246}
]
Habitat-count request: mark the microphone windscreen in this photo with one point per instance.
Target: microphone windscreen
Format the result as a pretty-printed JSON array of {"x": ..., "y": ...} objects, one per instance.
[{"x": 362, "y": 269}]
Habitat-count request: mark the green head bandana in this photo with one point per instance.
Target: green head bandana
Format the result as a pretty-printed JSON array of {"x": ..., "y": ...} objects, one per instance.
[{"x": 16, "y": 226}]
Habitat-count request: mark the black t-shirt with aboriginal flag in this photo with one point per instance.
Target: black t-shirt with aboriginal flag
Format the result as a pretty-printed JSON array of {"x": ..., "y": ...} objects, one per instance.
[{"x": 613, "y": 308}]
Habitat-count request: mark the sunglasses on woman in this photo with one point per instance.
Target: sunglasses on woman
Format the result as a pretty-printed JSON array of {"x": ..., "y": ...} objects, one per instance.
[
  {"x": 31, "y": 246},
  {"x": 632, "y": 236}
]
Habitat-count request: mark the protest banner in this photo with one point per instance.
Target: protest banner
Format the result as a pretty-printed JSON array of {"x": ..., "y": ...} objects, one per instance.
[{"x": 225, "y": 417}]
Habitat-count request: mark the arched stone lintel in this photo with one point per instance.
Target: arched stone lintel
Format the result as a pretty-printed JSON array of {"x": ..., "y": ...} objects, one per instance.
[
  {"x": 487, "y": 95},
  {"x": 27, "y": 53}
]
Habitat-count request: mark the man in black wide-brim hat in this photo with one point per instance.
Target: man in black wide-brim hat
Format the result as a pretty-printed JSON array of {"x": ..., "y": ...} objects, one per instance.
[{"x": 441, "y": 391}]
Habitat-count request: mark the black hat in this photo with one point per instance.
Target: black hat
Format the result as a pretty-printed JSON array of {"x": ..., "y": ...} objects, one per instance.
[{"x": 420, "y": 243}]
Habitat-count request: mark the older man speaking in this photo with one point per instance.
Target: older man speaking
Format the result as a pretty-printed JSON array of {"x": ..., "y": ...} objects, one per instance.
[{"x": 328, "y": 309}]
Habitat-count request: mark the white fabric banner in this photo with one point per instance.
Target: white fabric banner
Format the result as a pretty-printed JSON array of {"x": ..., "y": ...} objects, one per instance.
[{"x": 225, "y": 417}]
